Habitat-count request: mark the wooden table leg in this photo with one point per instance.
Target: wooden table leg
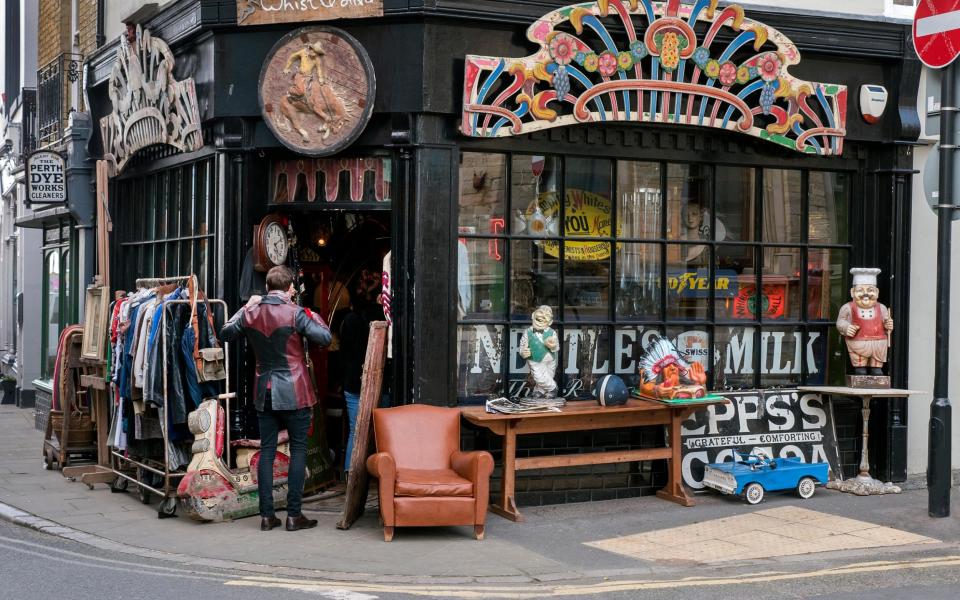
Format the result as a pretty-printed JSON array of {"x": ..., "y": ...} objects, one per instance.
[
  {"x": 507, "y": 508},
  {"x": 675, "y": 490}
]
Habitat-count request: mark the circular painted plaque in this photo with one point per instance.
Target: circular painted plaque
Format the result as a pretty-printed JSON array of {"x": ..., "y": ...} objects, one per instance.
[{"x": 317, "y": 88}]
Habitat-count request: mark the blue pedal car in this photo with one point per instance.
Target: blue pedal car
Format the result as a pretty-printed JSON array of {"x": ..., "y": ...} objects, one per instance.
[{"x": 751, "y": 475}]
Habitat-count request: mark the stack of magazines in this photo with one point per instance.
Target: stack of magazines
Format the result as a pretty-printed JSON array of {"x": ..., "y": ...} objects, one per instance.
[{"x": 510, "y": 406}]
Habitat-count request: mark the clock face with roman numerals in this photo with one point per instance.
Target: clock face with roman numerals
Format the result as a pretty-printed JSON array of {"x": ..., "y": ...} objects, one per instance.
[{"x": 275, "y": 243}]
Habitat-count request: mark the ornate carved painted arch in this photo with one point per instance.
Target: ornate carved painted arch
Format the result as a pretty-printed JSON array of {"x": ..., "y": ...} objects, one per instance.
[
  {"x": 149, "y": 106},
  {"x": 644, "y": 61}
]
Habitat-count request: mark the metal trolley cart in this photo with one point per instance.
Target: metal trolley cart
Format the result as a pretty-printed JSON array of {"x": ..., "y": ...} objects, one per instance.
[{"x": 150, "y": 469}]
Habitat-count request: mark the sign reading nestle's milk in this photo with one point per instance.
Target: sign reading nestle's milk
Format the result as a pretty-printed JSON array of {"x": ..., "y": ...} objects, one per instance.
[{"x": 46, "y": 178}]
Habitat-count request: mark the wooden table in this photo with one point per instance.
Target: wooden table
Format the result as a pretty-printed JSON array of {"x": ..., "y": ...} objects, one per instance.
[
  {"x": 864, "y": 483},
  {"x": 581, "y": 416}
]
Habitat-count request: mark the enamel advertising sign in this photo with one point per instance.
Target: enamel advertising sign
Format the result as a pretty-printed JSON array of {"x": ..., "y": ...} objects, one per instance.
[
  {"x": 46, "y": 178},
  {"x": 782, "y": 423}
]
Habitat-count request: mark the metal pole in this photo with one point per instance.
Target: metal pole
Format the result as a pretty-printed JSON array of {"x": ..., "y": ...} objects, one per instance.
[{"x": 938, "y": 459}]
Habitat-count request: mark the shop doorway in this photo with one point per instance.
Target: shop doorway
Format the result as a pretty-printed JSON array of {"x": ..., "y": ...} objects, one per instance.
[{"x": 341, "y": 255}]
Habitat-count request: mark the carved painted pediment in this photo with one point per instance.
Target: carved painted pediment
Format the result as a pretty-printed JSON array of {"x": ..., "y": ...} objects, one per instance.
[
  {"x": 643, "y": 61},
  {"x": 149, "y": 106}
]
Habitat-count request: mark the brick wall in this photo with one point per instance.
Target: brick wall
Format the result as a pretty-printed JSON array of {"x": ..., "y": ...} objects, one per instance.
[
  {"x": 87, "y": 26},
  {"x": 53, "y": 32}
]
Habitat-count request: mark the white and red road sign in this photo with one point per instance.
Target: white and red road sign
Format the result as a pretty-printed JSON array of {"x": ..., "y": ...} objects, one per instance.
[{"x": 936, "y": 32}]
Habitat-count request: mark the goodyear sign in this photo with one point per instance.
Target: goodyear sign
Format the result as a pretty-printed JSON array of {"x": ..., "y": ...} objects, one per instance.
[{"x": 696, "y": 284}]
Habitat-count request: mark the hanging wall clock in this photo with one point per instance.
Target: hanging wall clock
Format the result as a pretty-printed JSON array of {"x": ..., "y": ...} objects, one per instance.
[{"x": 271, "y": 246}]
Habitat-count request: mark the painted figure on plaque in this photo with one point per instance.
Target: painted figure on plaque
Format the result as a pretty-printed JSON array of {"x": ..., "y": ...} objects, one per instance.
[
  {"x": 865, "y": 324},
  {"x": 310, "y": 93},
  {"x": 667, "y": 374},
  {"x": 539, "y": 346}
]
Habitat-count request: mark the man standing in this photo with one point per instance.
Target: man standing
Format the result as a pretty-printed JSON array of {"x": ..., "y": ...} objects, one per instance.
[{"x": 275, "y": 327}]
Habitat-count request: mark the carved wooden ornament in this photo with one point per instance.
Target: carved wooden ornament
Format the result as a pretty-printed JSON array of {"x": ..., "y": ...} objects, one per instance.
[
  {"x": 266, "y": 12},
  {"x": 149, "y": 106},
  {"x": 317, "y": 88},
  {"x": 645, "y": 61}
]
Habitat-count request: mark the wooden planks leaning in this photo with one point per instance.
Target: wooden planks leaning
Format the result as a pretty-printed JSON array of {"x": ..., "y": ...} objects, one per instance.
[{"x": 370, "y": 390}]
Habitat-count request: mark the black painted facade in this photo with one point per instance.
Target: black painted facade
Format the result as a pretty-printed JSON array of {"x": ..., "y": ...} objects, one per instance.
[{"x": 418, "y": 50}]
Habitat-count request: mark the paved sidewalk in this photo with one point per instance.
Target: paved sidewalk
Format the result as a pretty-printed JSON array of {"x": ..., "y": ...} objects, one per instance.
[{"x": 617, "y": 538}]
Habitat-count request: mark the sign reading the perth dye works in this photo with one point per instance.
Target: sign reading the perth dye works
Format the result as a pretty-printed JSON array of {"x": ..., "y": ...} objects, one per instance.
[
  {"x": 46, "y": 178},
  {"x": 782, "y": 423},
  {"x": 265, "y": 12}
]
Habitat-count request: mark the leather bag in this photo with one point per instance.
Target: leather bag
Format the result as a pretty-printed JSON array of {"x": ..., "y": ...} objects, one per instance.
[{"x": 209, "y": 361}]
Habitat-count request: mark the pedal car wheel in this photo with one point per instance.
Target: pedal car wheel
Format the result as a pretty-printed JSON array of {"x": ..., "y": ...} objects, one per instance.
[
  {"x": 753, "y": 493},
  {"x": 806, "y": 487}
]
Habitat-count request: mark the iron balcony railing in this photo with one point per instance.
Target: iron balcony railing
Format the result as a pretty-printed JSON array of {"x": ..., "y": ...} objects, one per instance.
[
  {"x": 57, "y": 87},
  {"x": 28, "y": 119}
]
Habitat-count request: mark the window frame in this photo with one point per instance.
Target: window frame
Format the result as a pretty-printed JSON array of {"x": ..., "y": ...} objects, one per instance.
[
  {"x": 59, "y": 239},
  {"x": 158, "y": 217},
  {"x": 804, "y": 322}
]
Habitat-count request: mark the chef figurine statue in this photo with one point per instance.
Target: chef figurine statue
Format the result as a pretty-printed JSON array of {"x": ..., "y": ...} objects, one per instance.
[
  {"x": 539, "y": 346},
  {"x": 866, "y": 324}
]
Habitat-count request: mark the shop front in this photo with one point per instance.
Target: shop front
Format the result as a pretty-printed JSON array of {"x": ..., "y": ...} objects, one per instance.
[
  {"x": 58, "y": 203},
  {"x": 664, "y": 193},
  {"x": 680, "y": 170}
]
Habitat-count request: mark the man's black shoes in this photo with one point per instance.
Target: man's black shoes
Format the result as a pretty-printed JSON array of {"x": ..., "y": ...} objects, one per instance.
[
  {"x": 299, "y": 522},
  {"x": 268, "y": 523}
]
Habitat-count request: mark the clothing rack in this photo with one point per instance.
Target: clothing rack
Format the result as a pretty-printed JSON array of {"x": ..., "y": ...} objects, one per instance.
[
  {"x": 152, "y": 282},
  {"x": 168, "y": 491}
]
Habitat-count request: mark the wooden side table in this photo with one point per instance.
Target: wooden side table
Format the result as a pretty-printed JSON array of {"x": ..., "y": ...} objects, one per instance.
[
  {"x": 863, "y": 484},
  {"x": 584, "y": 415}
]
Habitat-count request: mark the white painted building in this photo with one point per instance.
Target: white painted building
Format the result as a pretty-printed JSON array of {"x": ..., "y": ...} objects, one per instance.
[
  {"x": 20, "y": 258},
  {"x": 923, "y": 262}
]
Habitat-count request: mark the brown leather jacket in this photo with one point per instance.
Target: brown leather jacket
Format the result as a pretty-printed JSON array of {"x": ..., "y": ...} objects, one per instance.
[{"x": 276, "y": 328}]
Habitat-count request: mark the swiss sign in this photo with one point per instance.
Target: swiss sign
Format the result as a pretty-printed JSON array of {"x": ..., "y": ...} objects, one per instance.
[
  {"x": 46, "y": 178},
  {"x": 936, "y": 32}
]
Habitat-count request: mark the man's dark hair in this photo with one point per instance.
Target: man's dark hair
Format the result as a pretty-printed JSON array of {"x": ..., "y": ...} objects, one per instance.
[{"x": 279, "y": 279}]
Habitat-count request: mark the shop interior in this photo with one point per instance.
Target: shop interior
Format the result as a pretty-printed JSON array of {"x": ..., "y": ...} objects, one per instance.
[{"x": 339, "y": 255}]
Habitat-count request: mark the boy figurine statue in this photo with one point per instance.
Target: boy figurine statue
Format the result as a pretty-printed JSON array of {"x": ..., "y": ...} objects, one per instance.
[
  {"x": 539, "y": 346},
  {"x": 866, "y": 325}
]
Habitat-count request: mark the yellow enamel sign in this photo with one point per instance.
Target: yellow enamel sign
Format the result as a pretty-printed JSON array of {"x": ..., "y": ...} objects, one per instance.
[{"x": 586, "y": 215}]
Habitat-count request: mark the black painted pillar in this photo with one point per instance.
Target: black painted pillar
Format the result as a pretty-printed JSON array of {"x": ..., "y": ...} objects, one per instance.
[{"x": 430, "y": 267}]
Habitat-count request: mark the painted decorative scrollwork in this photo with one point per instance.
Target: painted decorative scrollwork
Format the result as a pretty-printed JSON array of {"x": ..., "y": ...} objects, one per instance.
[
  {"x": 149, "y": 106},
  {"x": 646, "y": 61}
]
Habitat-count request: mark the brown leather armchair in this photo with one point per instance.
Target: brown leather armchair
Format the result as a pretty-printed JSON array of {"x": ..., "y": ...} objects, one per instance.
[{"x": 425, "y": 480}]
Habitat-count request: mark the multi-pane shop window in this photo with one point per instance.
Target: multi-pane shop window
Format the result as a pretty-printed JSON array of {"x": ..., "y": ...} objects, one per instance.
[
  {"x": 59, "y": 301},
  {"x": 165, "y": 224},
  {"x": 743, "y": 268}
]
